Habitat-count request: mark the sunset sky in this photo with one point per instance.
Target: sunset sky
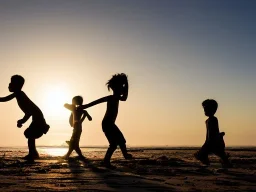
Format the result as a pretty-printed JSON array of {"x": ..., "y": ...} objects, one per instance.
[{"x": 176, "y": 54}]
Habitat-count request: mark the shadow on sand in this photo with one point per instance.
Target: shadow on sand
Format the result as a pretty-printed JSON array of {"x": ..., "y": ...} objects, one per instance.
[{"x": 116, "y": 179}]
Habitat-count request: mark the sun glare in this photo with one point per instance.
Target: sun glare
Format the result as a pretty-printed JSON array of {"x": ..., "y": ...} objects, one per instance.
[
  {"x": 54, "y": 151},
  {"x": 54, "y": 99}
]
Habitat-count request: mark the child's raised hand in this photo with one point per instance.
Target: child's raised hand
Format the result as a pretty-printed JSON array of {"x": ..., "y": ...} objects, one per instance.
[
  {"x": 89, "y": 117},
  {"x": 19, "y": 123}
]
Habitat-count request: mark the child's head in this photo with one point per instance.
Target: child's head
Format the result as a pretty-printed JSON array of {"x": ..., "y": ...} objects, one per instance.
[
  {"x": 16, "y": 83},
  {"x": 210, "y": 107},
  {"x": 116, "y": 83},
  {"x": 77, "y": 100}
]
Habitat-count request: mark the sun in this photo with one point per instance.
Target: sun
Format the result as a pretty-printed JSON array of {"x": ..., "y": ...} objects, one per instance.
[{"x": 54, "y": 99}]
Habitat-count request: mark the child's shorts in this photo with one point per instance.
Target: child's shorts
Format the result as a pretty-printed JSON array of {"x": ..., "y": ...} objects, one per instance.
[
  {"x": 36, "y": 129},
  {"x": 114, "y": 135}
]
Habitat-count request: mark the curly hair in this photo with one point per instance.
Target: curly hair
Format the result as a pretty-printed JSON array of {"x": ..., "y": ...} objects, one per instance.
[{"x": 117, "y": 80}]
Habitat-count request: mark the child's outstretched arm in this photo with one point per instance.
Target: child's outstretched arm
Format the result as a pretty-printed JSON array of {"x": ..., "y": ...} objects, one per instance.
[
  {"x": 125, "y": 92},
  {"x": 98, "y": 101},
  {"x": 7, "y": 98}
]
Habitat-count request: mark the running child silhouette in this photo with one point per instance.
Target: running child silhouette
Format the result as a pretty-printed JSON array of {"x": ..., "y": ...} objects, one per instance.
[
  {"x": 38, "y": 126},
  {"x": 119, "y": 85},
  {"x": 214, "y": 139},
  {"x": 76, "y": 119}
]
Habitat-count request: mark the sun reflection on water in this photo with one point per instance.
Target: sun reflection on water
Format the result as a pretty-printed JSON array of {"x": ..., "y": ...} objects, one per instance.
[{"x": 54, "y": 151}]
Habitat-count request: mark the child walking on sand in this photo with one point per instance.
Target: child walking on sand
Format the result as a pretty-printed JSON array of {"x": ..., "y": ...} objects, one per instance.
[
  {"x": 38, "y": 126},
  {"x": 119, "y": 85},
  {"x": 76, "y": 119},
  {"x": 214, "y": 139}
]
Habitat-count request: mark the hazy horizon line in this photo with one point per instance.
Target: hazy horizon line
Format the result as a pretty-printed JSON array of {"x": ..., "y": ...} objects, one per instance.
[{"x": 132, "y": 146}]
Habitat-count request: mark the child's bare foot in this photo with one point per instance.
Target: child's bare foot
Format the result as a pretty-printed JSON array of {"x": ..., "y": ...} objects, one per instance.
[
  {"x": 31, "y": 156},
  {"x": 36, "y": 155},
  {"x": 226, "y": 162},
  {"x": 30, "y": 161},
  {"x": 128, "y": 156},
  {"x": 205, "y": 161},
  {"x": 65, "y": 157},
  {"x": 81, "y": 157},
  {"x": 107, "y": 165},
  {"x": 196, "y": 155},
  {"x": 27, "y": 157}
]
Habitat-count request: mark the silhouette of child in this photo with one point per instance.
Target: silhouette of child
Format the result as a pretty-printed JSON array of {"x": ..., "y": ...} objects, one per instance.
[
  {"x": 119, "y": 85},
  {"x": 214, "y": 139},
  {"x": 76, "y": 119},
  {"x": 38, "y": 126}
]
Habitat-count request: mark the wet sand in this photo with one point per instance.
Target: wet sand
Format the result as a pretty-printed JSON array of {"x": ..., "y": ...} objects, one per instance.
[{"x": 150, "y": 170}]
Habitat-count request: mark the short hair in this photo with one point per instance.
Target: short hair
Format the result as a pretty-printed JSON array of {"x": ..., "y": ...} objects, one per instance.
[
  {"x": 77, "y": 100},
  {"x": 211, "y": 104},
  {"x": 116, "y": 80},
  {"x": 18, "y": 80}
]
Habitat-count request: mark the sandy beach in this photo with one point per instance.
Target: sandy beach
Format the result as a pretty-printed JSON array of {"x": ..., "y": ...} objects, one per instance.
[{"x": 172, "y": 169}]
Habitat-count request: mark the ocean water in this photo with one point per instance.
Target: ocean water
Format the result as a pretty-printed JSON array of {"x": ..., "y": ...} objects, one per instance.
[{"x": 45, "y": 152}]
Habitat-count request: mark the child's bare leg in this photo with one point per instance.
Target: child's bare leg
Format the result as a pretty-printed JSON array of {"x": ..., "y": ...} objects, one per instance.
[
  {"x": 68, "y": 153},
  {"x": 70, "y": 149},
  {"x": 225, "y": 160},
  {"x": 76, "y": 146},
  {"x": 31, "y": 136},
  {"x": 78, "y": 150},
  {"x": 202, "y": 154},
  {"x": 32, "y": 147},
  {"x": 32, "y": 154},
  {"x": 72, "y": 144},
  {"x": 120, "y": 140},
  {"x": 224, "y": 157},
  {"x": 124, "y": 151},
  {"x": 109, "y": 154}
]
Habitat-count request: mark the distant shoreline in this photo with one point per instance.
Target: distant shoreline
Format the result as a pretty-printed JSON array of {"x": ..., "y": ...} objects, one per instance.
[{"x": 132, "y": 148}]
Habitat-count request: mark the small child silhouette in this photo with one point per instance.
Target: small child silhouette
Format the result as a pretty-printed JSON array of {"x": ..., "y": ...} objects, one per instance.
[
  {"x": 119, "y": 84},
  {"x": 76, "y": 118},
  {"x": 214, "y": 139},
  {"x": 38, "y": 126}
]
